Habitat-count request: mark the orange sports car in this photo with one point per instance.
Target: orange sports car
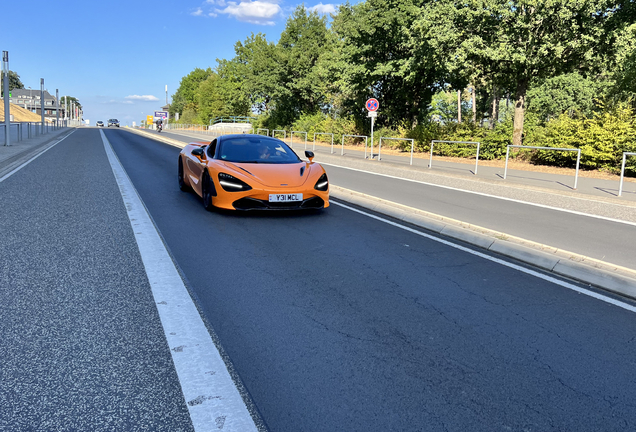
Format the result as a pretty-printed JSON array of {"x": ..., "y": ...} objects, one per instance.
[{"x": 252, "y": 172}]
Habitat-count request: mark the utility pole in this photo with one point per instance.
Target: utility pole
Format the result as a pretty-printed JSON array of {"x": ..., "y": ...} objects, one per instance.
[
  {"x": 459, "y": 106},
  {"x": 7, "y": 107}
]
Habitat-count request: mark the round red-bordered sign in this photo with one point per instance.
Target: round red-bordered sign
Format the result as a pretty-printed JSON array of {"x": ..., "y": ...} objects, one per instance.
[{"x": 372, "y": 104}]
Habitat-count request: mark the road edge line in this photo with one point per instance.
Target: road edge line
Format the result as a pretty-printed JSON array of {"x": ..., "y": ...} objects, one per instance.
[{"x": 212, "y": 398}]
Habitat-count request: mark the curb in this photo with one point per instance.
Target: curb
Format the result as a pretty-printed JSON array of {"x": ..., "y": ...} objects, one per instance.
[{"x": 610, "y": 277}]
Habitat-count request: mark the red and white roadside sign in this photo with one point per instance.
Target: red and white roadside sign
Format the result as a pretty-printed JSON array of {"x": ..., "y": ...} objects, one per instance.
[{"x": 373, "y": 104}]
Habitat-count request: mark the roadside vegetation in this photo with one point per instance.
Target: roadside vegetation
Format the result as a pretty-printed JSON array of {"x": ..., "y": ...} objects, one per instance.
[{"x": 552, "y": 73}]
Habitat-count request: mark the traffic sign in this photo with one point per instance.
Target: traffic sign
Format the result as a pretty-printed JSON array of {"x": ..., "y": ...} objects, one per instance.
[
  {"x": 149, "y": 120},
  {"x": 373, "y": 104},
  {"x": 372, "y": 114},
  {"x": 162, "y": 114}
]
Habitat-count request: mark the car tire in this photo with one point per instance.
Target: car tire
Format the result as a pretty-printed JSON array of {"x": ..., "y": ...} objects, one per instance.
[
  {"x": 182, "y": 184},
  {"x": 206, "y": 191}
]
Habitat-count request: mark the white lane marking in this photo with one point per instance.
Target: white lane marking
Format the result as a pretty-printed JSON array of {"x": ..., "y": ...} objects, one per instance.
[
  {"x": 6, "y": 176},
  {"x": 495, "y": 260},
  {"x": 210, "y": 394},
  {"x": 498, "y": 197}
]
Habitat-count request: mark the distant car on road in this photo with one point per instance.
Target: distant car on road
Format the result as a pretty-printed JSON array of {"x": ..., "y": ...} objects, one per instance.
[
  {"x": 252, "y": 172},
  {"x": 113, "y": 122},
  {"x": 99, "y": 124}
]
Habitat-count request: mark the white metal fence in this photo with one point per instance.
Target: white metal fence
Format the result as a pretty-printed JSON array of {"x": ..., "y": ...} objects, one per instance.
[
  {"x": 323, "y": 133},
  {"x": 355, "y": 136},
  {"x": 625, "y": 154},
  {"x": 20, "y": 131},
  {"x": 291, "y": 138},
  {"x": 396, "y": 139},
  {"x": 430, "y": 162},
  {"x": 578, "y": 158}
]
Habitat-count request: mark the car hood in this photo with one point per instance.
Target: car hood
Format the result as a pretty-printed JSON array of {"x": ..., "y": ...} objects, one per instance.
[{"x": 273, "y": 175}]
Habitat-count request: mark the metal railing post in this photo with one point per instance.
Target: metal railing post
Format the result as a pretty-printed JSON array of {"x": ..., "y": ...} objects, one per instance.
[
  {"x": 506, "y": 168},
  {"x": 576, "y": 175}
]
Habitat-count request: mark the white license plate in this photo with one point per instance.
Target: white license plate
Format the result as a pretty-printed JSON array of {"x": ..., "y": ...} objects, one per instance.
[{"x": 285, "y": 197}]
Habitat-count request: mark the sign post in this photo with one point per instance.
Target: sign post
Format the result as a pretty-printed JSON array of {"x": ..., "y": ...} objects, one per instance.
[{"x": 372, "y": 106}]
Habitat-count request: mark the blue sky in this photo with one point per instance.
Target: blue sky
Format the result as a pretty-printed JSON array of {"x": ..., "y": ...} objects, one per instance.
[{"x": 117, "y": 57}]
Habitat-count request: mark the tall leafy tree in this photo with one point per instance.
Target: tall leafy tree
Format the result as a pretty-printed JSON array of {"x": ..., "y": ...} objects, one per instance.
[
  {"x": 69, "y": 100},
  {"x": 256, "y": 69},
  {"x": 375, "y": 61},
  {"x": 186, "y": 95},
  {"x": 517, "y": 41},
  {"x": 14, "y": 82},
  {"x": 568, "y": 93},
  {"x": 302, "y": 44}
]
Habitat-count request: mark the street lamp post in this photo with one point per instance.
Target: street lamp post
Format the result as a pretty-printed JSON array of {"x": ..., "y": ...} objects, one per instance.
[
  {"x": 7, "y": 106},
  {"x": 57, "y": 108},
  {"x": 42, "y": 103}
]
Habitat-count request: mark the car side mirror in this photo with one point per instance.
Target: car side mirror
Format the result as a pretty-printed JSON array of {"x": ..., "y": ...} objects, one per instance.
[
  {"x": 310, "y": 155},
  {"x": 198, "y": 151}
]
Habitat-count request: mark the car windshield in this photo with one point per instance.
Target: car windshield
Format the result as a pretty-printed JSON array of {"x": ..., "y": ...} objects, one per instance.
[{"x": 256, "y": 150}]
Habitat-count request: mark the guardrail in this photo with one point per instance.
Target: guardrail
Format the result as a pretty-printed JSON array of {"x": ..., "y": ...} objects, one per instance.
[
  {"x": 258, "y": 131},
  {"x": 578, "y": 158},
  {"x": 430, "y": 162},
  {"x": 279, "y": 130},
  {"x": 355, "y": 136},
  {"x": 19, "y": 131},
  {"x": 291, "y": 138},
  {"x": 396, "y": 139},
  {"x": 323, "y": 133},
  {"x": 625, "y": 154}
]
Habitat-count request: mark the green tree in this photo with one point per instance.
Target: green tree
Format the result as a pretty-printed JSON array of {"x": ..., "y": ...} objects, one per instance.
[
  {"x": 230, "y": 88},
  {"x": 568, "y": 93},
  {"x": 377, "y": 60},
  {"x": 517, "y": 41},
  {"x": 302, "y": 44},
  {"x": 14, "y": 82},
  {"x": 69, "y": 100},
  {"x": 257, "y": 69},
  {"x": 186, "y": 94}
]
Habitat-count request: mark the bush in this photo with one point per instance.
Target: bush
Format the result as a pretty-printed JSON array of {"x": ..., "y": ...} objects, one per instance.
[{"x": 602, "y": 140}]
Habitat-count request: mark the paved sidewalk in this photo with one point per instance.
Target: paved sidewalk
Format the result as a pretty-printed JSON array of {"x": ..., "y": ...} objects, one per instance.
[{"x": 19, "y": 152}]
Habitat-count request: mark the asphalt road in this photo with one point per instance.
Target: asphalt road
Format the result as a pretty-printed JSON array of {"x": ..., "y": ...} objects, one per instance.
[{"x": 335, "y": 321}]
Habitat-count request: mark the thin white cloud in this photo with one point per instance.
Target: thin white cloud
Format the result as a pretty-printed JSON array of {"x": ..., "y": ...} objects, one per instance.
[
  {"x": 219, "y": 3},
  {"x": 255, "y": 12},
  {"x": 197, "y": 12},
  {"x": 324, "y": 8},
  {"x": 213, "y": 15},
  {"x": 142, "y": 97}
]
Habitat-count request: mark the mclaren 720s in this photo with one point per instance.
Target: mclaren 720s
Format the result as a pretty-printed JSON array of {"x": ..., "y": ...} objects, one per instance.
[{"x": 252, "y": 172}]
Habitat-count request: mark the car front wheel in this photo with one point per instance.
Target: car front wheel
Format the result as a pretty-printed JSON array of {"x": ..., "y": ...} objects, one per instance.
[
  {"x": 182, "y": 184},
  {"x": 206, "y": 191}
]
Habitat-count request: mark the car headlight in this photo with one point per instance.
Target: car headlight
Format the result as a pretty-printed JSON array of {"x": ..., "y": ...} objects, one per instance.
[
  {"x": 232, "y": 184},
  {"x": 322, "y": 184}
]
